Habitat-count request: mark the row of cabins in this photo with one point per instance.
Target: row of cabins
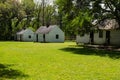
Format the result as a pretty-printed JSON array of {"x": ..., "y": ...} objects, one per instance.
[
  {"x": 44, "y": 34},
  {"x": 107, "y": 33}
]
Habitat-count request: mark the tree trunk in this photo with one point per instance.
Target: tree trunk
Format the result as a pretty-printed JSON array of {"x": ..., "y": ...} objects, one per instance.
[{"x": 43, "y": 2}]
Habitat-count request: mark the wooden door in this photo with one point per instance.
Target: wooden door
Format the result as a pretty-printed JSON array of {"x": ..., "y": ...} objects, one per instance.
[
  {"x": 21, "y": 37},
  {"x": 37, "y": 37},
  {"x": 107, "y": 37},
  {"x": 92, "y": 37},
  {"x": 44, "y": 38}
]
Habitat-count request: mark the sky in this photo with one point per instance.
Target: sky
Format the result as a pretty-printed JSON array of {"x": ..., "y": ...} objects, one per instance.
[{"x": 48, "y": 1}]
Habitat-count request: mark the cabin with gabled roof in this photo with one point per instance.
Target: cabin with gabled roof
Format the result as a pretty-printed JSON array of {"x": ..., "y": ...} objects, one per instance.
[
  {"x": 107, "y": 33},
  {"x": 51, "y": 33},
  {"x": 110, "y": 31},
  {"x": 26, "y": 35}
]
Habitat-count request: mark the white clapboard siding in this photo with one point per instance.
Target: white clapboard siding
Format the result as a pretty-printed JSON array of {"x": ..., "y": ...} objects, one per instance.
[
  {"x": 50, "y": 34},
  {"x": 98, "y": 40},
  {"x": 26, "y": 35},
  {"x": 115, "y": 37},
  {"x": 83, "y": 39}
]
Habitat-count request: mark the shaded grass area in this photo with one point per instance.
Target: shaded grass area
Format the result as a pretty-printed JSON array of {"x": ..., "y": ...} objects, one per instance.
[
  {"x": 8, "y": 73},
  {"x": 88, "y": 51}
]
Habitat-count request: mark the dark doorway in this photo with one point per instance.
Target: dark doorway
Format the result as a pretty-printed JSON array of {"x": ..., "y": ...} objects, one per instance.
[
  {"x": 92, "y": 37},
  {"x": 37, "y": 37},
  {"x": 20, "y": 37},
  {"x": 16, "y": 37},
  {"x": 107, "y": 37},
  {"x": 44, "y": 38}
]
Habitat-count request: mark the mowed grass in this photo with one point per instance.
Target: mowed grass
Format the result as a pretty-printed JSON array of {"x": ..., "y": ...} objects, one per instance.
[{"x": 56, "y": 61}]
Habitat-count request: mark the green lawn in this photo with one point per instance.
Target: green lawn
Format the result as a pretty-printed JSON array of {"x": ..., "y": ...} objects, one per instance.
[{"x": 56, "y": 61}]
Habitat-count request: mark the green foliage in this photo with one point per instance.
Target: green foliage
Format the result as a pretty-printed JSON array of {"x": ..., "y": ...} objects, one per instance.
[
  {"x": 109, "y": 9},
  {"x": 12, "y": 14},
  {"x": 76, "y": 15},
  {"x": 44, "y": 15},
  {"x": 15, "y": 16}
]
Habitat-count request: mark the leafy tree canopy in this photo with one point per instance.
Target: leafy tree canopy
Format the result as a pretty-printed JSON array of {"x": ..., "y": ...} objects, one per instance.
[{"x": 77, "y": 15}]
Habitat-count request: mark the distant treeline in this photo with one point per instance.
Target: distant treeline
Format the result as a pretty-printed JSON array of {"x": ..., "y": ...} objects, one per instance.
[{"x": 16, "y": 15}]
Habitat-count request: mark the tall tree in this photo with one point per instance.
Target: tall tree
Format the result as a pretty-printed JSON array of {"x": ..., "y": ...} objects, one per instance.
[
  {"x": 45, "y": 13},
  {"x": 106, "y": 9},
  {"x": 75, "y": 14},
  {"x": 79, "y": 14},
  {"x": 29, "y": 8},
  {"x": 8, "y": 11}
]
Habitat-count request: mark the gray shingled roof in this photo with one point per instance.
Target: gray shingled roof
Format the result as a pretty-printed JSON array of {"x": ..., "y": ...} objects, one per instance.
[
  {"x": 108, "y": 24},
  {"x": 21, "y": 32},
  {"x": 44, "y": 29}
]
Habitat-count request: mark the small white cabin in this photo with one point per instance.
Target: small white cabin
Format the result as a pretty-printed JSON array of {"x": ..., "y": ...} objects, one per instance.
[
  {"x": 111, "y": 34},
  {"x": 108, "y": 33},
  {"x": 25, "y": 35},
  {"x": 50, "y": 34}
]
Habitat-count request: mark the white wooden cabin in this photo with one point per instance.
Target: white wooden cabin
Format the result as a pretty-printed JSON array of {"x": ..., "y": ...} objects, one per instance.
[
  {"x": 50, "y": 34},
  {"x": 112, "y": 33},
  {"x": 108, "y": 33},
  {"x": 25, "y": 35},
  {"x": 83, "y": 38}
]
